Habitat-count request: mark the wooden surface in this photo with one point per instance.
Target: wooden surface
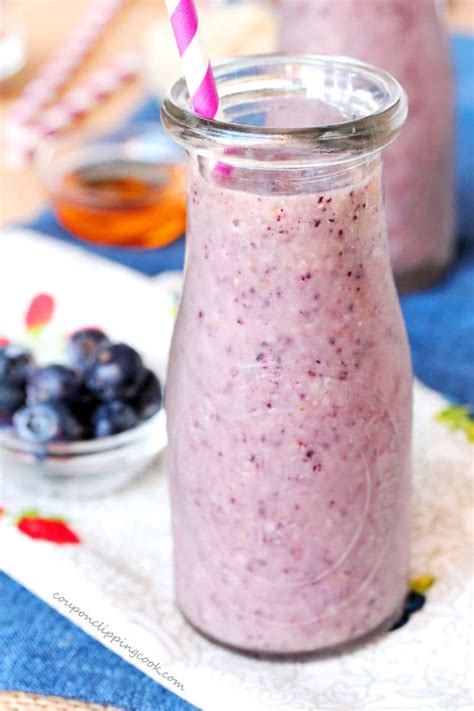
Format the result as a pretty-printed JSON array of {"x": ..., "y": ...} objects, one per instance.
[
  {"x": 46, "y": 22},
  {"x": 20, "y": 701}
]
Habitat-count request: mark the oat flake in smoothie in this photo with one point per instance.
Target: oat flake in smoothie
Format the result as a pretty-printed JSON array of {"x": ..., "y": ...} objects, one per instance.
[{"x": 289, "y": 389}]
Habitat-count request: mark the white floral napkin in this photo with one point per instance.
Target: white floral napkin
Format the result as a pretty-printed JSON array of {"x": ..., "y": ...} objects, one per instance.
[{"x": 116, "y": 583}]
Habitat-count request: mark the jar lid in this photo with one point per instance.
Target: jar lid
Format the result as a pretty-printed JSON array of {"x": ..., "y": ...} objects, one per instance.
[{"x": 291, "y": 109}]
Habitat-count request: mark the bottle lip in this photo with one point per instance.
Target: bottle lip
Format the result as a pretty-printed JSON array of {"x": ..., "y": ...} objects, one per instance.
[{"x": 332, "y": 142}]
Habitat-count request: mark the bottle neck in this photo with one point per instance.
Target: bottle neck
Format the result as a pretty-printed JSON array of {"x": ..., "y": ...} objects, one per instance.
[{"x": 262, "y": 178}]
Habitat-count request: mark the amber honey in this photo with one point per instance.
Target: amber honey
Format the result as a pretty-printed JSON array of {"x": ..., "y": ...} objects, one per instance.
[{"x": 123, "y": 203}]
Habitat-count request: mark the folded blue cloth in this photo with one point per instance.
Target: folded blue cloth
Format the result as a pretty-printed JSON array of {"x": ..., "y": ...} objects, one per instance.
[{"x": 43, "y": 652}]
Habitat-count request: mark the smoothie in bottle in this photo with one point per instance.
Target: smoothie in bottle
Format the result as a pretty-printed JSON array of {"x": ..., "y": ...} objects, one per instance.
[
  {"x": 289, "y": 389},
  {"x": 408, "y": 39}
]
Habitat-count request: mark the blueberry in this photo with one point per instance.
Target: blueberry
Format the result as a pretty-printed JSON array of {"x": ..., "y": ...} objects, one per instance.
[
  {"x": 113, "y": 417},
  {"x": 12, "y": 397},
  {"x": 46, "y": 422},
  {"x": 117, "y": 373},
  {"x": 83, "y": 407},
  {"x": 53, "y": 383},
  {"x": 82, "y": 347},
  {"x": 148, "y": 399},
  {"x": 16, "y": 363}
]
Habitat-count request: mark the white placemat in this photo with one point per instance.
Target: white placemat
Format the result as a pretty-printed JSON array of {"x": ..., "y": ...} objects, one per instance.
[{"x": 119, "y": 577}]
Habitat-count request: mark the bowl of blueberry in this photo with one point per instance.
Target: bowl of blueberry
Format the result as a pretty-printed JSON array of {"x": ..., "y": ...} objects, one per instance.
[{"x": 82, "y": 426}]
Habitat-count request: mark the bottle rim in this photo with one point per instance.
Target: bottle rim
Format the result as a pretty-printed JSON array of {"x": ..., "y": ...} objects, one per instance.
[{"x": 245, "y": 79}]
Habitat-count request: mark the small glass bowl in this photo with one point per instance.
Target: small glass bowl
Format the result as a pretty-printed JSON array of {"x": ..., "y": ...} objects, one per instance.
[
  {"x": 122, "y": 188},
  {"x": 82, "y": 469}
]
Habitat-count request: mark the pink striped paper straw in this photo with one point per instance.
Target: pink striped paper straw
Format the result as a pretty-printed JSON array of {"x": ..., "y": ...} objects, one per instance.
[{"x": 196, "y": 65}]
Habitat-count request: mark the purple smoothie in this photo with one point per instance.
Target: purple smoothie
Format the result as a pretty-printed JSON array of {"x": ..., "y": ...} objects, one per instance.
[
  {"x": 406, "y": 38},
  {"x": 289, "y": 412}
]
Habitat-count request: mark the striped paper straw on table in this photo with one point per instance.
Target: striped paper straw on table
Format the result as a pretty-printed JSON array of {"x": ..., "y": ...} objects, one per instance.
[
  {"x": 24, "y": 139},
  {"x": 65, "y": 60},
  {"x": 196, "y": 65}
]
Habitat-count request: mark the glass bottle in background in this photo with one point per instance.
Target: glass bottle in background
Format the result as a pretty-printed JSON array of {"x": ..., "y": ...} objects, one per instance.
[
  {"x": 408, "y": 39},
  {"x": 289, "y": 387}
]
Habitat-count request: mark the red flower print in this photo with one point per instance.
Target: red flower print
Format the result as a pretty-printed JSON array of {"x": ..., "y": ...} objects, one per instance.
[
  {"x": 40, "y": 312},
  {"x": 47, "y": 529}
]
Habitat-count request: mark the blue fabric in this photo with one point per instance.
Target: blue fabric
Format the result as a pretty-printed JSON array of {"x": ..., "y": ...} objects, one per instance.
[{"x": 41, "y": 651}]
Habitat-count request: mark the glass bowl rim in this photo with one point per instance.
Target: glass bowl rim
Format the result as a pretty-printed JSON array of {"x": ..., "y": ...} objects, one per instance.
[
  {"x": 11, "y": 443},
  {"x": 47, "y": 159}
]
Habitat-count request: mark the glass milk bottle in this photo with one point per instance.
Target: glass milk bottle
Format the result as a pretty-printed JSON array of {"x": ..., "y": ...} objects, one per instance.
[
  {"x": 408, "y": 39},
  {"x": 289, "y": 388}
]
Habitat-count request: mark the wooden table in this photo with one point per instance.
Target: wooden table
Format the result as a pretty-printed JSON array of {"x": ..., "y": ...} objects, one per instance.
[{"x": 46, "y": 23}]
